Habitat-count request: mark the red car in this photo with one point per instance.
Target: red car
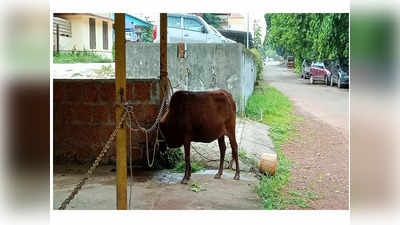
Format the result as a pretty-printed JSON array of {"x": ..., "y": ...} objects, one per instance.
[{"x": 319, "y": 72}]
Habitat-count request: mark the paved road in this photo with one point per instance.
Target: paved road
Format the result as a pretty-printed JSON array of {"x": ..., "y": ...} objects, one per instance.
[{"x": 328, "y": 104}]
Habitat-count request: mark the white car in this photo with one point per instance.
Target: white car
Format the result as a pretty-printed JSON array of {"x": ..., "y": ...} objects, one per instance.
[{"x": 190, "y": 29}]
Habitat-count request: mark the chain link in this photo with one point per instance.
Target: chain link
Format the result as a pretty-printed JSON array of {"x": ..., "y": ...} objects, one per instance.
[
  {"x": 106, "y": 147},
  {"x": 128, "y": 111}
]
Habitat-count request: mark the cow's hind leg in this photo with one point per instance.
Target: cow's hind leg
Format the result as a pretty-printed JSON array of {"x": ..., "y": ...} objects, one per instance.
[
  {"x": 188, "y": 169},
  {"x": 234, "y": 146},
  {"x": 222, "y": 148}
]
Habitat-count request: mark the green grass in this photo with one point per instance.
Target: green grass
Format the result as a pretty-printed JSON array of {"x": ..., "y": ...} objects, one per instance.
[
  {"x": 79, "y": 57},
  {"x": 179, "y": 162},
  {"x": 180, "y": 167},
  {"x": 248, "y": 160},
  {"x": 277, "y": 111},
  {"x": 105, "y": 70}
]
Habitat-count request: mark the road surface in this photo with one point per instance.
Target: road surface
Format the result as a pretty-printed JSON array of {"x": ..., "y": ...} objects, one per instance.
[
  {"x": 328, "y": 104},
  {"x": 320, "y": 151}
]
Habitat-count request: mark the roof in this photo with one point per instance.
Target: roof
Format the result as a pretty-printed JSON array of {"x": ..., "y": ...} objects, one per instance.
[
  {"x": 86, "y": 14},
  {"x": 129, "y": 19},
  {"x": 236, "y": 15}
]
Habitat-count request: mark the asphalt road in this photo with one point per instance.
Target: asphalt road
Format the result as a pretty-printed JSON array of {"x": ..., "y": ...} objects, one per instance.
[{"x": 326, "y": 103}]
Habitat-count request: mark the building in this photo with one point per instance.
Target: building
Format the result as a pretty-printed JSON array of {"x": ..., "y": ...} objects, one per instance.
[
  {"x": 237, "y": 22},
  {"x": 83, "y": 32},
  {"x": 134, "y": 27}
]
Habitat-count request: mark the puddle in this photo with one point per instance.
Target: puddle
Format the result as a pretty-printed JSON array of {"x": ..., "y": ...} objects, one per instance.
[{"x": 168, "y": 177}]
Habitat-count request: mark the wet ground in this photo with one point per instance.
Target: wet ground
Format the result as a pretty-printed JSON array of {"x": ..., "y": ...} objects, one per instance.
[{"x": 156, "y": 190}]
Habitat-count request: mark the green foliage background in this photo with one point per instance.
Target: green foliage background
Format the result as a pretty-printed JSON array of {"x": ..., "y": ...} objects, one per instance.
[
  {"x": 147, "y": 34},
  {"x": 212, "y": 20},
  {"x": 313, "y": 36}
]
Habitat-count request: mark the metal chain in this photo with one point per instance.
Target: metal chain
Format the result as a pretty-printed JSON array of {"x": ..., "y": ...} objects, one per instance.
[
  {"x": 128, "y": 110},
  {"x": 155, "y": 125},
  {"x": 106, "y": 147}
]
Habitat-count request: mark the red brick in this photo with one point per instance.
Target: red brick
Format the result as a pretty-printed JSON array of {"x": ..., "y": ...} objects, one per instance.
[
  {"x": 142, "y": 91},
  {"x": 58, "y": 92},
  {"x": 91, "y": 92},
  {"x": 129, "y": 91},
  {"x": 154, "y": 89},
  {"x": 73, "y": 92},
  {"x": 112, "y": 114},
  {"x": 65, "y": 113},
  {"x": 82, "y": 113},
  {"x": 108, "y": 92},
  {"x": 150, "y": 112},
  {"x": 100, "y": 113},
  {"x": 137, "y": 154}
]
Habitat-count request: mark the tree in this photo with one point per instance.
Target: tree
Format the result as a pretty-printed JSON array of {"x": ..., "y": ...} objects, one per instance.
[
  {"x": 212, "y": 20},
  {"x": 147, "y": 34},
  {"x": 257, "y": 41},
  {"x": 312, "y": 36}
]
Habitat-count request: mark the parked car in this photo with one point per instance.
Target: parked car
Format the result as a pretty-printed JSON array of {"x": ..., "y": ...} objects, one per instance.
[
  {"x": 290, "y": 61},
  {"x": 329, "y": 63},
  {"x": 340, "y": 75},
  {"x": 305, "y": 69},
  {"x": 224, "y": 39},
  {"x": 318, "y": 72},
  {"x": 190, "y": 29}
]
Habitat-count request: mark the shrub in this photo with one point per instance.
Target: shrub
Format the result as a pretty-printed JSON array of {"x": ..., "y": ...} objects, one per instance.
[{"x": 255, "y": 54}]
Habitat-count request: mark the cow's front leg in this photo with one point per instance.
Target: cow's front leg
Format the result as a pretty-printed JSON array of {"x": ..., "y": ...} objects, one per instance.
[{"x": 188, "y": 168}]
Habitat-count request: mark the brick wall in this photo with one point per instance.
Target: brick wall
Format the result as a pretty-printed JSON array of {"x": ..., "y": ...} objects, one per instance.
[{"x": 84, "y": 117}]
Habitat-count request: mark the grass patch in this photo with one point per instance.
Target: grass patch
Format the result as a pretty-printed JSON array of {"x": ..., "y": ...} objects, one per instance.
[
  {"x": 302, "y": 199},
  {"x": 79, "y": 57},
  {"x": 277, "y": 112},
  {"x": 196, "y": 188},
  {"x": 179, "y": 162},
  {"x": 105, "y": 70},
  {"x": 248, "y": 160},
  {"x": 180, "y": 167}
]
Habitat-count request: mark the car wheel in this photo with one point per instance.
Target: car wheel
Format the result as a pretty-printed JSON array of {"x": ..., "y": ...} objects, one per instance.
[
  {"x": 338, "y": 83},
  {"x": 331, "y": 82},
  {"x": 311, "y": 80}
]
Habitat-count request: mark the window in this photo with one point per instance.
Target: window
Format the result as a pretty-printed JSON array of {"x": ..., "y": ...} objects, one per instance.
[
  {"x": 174, "y": 22},
  {"x": 192, "y": 24},
  {"x": 92, "y": 33},
  {"x": 105, "y": 35}
]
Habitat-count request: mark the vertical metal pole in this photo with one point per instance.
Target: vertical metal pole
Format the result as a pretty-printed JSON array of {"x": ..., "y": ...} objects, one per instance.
[
  {"x": 247, "y": 40},
  {"x": 120, "y": 95},
  {"x": 58, "y": 40},
  {"x": 163, "y": 54}
]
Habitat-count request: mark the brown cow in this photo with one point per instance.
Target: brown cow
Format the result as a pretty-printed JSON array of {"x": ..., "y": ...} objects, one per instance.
[{"x": 201, "y": 117}]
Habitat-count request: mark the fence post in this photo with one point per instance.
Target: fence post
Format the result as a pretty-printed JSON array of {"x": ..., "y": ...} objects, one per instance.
[
  {"x": 120, "y": 95},
  {"x": 58, "y": 40},
  {"x": 163, "y": 54}
]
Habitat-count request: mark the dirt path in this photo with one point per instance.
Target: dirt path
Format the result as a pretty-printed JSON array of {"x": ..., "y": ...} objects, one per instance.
[
  {"x": 320, "y": 152},
  {"x": 320, "y": 157}
]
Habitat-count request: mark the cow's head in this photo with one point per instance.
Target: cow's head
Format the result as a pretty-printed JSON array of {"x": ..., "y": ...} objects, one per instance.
[{"x": 169, "y": 130}]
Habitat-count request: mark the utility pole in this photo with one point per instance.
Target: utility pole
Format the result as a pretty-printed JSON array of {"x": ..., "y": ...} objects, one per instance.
[{"x": 247, "y": 39}]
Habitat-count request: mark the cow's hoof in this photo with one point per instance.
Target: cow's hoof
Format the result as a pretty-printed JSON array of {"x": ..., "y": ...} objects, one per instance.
[
  {"x": 184, "y": 180},
  {"x": 217, "y": 176},
  {"x": 236, "y": 177}
]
